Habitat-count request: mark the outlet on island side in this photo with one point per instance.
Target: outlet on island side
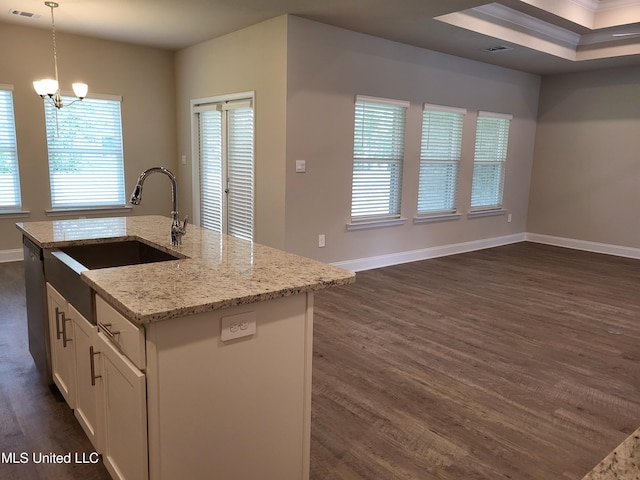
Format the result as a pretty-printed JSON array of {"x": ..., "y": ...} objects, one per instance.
[
  {"x": 238, "y": 326},
  {"x": 321, "y": 240}
]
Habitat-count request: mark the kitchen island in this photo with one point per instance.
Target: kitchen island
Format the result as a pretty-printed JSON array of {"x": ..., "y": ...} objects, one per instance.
[{"x": 200, "y": 367}]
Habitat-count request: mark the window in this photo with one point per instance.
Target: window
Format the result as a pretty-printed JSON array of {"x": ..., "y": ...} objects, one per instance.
[
  {"x": 226, "y": 167},
  {"x": 492, "y": 138},
  {"x": 378, "y": 154},
  {"x": 9, "y": 176},
  {"x": 86, "y": 166},
  {"x": 439, "y": 159}
]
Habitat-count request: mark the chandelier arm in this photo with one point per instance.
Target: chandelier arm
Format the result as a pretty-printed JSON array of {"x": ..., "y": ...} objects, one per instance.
[{"x": 45, "y": 88}]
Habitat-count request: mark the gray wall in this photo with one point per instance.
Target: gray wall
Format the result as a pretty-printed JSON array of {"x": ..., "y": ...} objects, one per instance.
[
  {"x": 586, "y": 174},
  {"x": 252, "y": 59},
  {"x": 144, "y": 77},
  {"x": 326, "y": 68}
]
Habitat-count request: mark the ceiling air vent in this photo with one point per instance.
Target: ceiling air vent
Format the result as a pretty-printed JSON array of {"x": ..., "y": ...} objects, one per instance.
[
  {"x": 20, "y": 13},
  {"x": 497, "y": 48}
]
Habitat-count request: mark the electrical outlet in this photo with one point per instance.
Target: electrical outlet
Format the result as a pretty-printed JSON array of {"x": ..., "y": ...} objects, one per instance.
[
  {"x": 238, "y": 326},
  {"x": 509, "y": 218},
  {"x": 321, "y": 240}
]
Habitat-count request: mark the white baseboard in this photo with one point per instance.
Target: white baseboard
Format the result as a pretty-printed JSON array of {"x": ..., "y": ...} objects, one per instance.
[
  {"x": 617, "y": 250},
  {"x": 369, "y": 263},
  {"x": 14, "y": 255}
]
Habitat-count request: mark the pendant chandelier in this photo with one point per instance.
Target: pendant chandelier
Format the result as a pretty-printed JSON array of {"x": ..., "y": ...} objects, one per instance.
[{"x": 49, "y": 88}]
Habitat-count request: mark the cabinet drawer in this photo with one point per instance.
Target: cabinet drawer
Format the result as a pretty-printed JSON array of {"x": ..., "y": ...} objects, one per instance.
[{"x": 124, "y": 334}]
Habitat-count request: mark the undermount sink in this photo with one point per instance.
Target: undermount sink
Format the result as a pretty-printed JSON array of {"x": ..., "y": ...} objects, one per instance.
[
  {"x": 64, "y": 265},
  {"x": 116, "y": 254}
]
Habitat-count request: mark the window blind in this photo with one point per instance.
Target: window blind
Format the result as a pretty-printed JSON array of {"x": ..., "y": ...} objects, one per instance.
[
  {"x": 86, "y": 165},
  {"x": 439, "y": 159},
  {"x": 211, "y": 169},
  {"x": 240, "y": 184},
  {"x": 9, "y": 175},
  {"x": 378, "y": 154},
  {"x": 492, "y": 139},
  {"x": 226, "y": 136}
]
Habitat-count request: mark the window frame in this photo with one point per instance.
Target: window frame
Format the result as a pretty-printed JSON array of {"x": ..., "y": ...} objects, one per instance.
[
  {"x": 453, "y": 157},
  {"x": 230, "y": 156},
  {"x": 393, "y": 141},
  {"x": 501, "y": 156},
  {"x": 9, "y": 147},
  {"x": 117, "y": 173}
]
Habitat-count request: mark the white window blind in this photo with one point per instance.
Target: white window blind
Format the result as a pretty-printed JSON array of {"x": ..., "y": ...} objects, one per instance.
[
  {"x": 439, "y": 159},
  {"x": 240, "y": 179},
  {"x": 492, "y": 139},
  {"x": 226, "y": 132},
  {"x": 86, "y": 165},
  {"x": 211, "y": 169},
  {"x": 378, "y": 154},
  {"x": 9, "y": 176}
]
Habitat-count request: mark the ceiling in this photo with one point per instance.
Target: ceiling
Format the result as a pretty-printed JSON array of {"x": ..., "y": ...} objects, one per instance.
[{"x": 537, "y": 36}]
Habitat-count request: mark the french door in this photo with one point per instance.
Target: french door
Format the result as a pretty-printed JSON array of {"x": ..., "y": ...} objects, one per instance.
[{"x": 226, "y": 166}]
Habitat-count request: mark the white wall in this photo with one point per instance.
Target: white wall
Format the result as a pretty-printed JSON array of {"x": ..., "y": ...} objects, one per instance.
[{"x": 327, "y": 67}]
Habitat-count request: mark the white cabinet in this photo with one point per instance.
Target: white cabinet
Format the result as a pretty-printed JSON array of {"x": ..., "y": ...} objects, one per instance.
[
  {"x": 123, "y": 414},
  {"x": 62, "y": 346},
  {"x": 123, "y": 394},
  {"x": 72, "y": 345},
  {"x": 86, "y": 389}
]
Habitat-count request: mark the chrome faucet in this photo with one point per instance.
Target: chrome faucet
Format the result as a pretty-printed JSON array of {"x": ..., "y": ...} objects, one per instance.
[{"x": 177, "y": 229}]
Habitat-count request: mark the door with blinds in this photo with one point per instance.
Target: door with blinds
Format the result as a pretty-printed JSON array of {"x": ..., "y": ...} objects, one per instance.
[{"x": 226, "y": 166}]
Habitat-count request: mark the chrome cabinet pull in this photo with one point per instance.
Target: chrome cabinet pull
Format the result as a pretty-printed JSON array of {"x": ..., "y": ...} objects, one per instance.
[
  {"x": 65, "y": 340},
  {"x": 109, "y": 333},
  {"x": 58, "y": 331},
  {"x": 92, "y": 362}
]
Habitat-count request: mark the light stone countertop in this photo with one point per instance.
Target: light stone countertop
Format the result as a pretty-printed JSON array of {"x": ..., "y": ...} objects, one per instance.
[
  {"x": 217, "y": 271},
  {"x": 621, "y": 464}
]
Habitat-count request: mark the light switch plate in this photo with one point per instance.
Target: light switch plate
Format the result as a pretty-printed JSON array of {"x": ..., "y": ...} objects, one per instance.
[
  {"x": 301, "y": 166},
  {"x": 238, "y": 326}
]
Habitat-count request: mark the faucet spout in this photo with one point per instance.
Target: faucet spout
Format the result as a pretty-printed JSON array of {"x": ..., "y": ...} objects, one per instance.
[{"x": 177, "y": 229}]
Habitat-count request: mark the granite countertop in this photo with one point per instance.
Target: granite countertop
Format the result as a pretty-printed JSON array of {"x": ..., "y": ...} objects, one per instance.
[
  {"x": 621, "y": 464},
  {"x": 217, "y": 271}
]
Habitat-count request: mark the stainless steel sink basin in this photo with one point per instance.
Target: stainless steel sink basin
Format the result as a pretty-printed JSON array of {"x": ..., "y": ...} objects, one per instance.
[
  {"x": 116, "y": 254},
  {"x": 63, "y": 267}
]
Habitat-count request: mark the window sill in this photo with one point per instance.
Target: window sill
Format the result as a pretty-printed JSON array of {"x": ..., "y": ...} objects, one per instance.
[
  {"x": 14, "y": 213},
  {"x": 73, "y": 211},
  {"x": 441, "y": 217},
  {"x": 486, "y": 213},
  {"x": 366, "y": 224}
]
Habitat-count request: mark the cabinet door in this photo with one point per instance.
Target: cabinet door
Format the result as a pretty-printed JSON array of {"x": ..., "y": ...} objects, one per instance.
[
  {"x": 86, "y": 389},
  {"x": 123, "y": 407},
  {"x": 62, "y": 347}
]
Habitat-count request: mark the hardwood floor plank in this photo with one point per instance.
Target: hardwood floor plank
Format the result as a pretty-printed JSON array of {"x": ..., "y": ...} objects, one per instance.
[
  {"x": 519, "y": 362},
  {"x": 515, "y": 362}
]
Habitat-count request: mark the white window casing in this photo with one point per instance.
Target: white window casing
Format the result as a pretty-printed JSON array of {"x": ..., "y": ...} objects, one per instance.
[
  {"x": 379, "y": 130},
  {"x": 86, "y": 162},
  {"x": 10, "y": 199},
  {"x": 439, "y": 159},
  {"x": 226, "y": 170},
  {"x": 492, "y": 140}
]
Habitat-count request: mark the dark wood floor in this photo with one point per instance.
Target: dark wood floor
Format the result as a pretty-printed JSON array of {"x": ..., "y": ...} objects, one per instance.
[
  {"x": 520, "y": 362},
  {"x": 32, "y": 418}
]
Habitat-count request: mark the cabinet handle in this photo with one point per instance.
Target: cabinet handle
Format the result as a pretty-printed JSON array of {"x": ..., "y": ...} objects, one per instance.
[
  {"x": 65, "y": 340},
  {"x": 92, "y": 354},
  {"x": 58, "y": 331},
  {"x": 109, "y": 333}
]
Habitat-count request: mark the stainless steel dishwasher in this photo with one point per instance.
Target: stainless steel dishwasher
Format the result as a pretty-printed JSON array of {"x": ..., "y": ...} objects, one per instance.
[{"x": 37, "y": 317}]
